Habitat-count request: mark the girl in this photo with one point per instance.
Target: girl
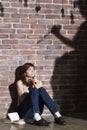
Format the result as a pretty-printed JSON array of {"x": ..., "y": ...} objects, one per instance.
[{"x": 32, "y": 97}]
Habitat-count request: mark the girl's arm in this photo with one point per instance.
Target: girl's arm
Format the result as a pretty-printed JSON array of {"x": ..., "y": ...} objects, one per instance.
[{"x": 20, "y": 91}]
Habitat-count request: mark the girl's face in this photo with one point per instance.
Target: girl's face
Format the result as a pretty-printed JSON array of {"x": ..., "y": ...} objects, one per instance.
[{"x": 30, "y": 72}]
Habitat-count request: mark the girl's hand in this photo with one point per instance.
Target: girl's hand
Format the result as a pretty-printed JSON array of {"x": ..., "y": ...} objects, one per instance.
[{"x": 37, "y": 83}]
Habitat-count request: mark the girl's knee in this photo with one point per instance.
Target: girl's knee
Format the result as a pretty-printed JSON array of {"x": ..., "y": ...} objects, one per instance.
[
  {"x": 34, "y": 90},
  {"x": 42, "y": 89}
]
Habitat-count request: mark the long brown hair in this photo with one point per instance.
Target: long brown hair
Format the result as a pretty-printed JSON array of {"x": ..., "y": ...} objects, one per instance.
[{"x": 25, "y": 67}]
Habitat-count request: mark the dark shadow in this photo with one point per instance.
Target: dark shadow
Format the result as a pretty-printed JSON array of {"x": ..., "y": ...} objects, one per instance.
[
  {"x": 25, "y": 3},
  {"x": 20, "y": 0},
  {"x": 13, "y": 91},
  {"x": 69, "y": 77},
  {"x": 1, "y": 10}
]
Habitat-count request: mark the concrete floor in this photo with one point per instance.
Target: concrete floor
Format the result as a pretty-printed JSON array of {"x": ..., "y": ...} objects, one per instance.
[{"x": 73, "y": 123}]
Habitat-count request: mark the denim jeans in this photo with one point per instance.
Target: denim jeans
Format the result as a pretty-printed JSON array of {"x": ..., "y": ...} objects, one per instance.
[{"x": 34, "y": 103}]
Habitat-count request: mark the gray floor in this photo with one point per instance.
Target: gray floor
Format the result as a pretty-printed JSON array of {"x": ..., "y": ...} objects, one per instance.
[{"x": 73, "y": 123}]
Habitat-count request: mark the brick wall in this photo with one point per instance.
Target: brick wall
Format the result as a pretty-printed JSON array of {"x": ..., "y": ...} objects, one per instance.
[{"x": 60, "y": 59}]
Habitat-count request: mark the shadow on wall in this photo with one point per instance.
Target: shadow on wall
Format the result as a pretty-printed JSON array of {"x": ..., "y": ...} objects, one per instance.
[
  {"x": 25, "y": 2},
  {"x": 1, "y": 10},
  {"x": 13, "y": 91},
  {"x": 70, "y": 71}
]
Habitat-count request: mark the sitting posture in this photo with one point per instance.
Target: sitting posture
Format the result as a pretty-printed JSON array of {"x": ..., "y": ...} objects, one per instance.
[{"x": 32, "y": 97}]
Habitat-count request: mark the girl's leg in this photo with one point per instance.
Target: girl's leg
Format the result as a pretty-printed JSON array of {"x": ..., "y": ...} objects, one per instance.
[
  {"x": 41, "y": 104},
  {"x": 33, "y": 108},
  {"x": 30, "y": 105},
  {"x": 52, "y": 106},
  {"x": 24, "y": 106},
  {"x": 35, "y": 100},
  {"x": 48, "y": 101}
]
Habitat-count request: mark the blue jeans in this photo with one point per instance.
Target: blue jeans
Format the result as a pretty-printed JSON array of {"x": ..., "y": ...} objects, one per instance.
[{"x": 34, "y": 103}]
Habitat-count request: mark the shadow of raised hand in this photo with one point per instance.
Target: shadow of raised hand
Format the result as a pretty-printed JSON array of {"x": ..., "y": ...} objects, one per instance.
[{"x": 55, "y": 29}]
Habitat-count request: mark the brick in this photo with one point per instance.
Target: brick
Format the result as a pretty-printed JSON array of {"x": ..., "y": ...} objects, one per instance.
[
  {"x": 44, "y": 22},
  {"x": 29, "y": 41},
  {"x": 16, "y": 4},
  {"x": 10, "y": 42},
  {"x": 59, "y": 21},
  {"x": 46, "y": 11},
  {"x": 59, "y": 1},
  {"x": 45, "y": 1},
  {"x": 5, "y": 46},
  {"x": 10, "y": 10},
  {"x": 29, "y": 21},
  {"x": 54, "y": 16},
  {"x": 26, "y": 31},
  {"x": 21, "y": 25},
  {"x": 11, "y": 20},
  {"x": 35, "y": 15},
  {"x": 18, "y": 36},
  {"x": 2, "y": 25},
  {"x": 36, "y": 26},
  {"x": 43, "y": 63},
  {"x": 45, "y": 32},
  {"x": 27, "y": 11},
  {"x": 17, "y": 46},
  {"x": 11, "y": 52},
  {"x": 35, "y": 57},
  {"x": 7, "y": 31},
  {"x": 6, "y": 15},
  {"x": 42, "y": 41},
  {"x": 24, "y": 52},
  {"x": 58, "y": 47},
  {"x": 34, "y": 36},
  {"x": 3, "y": 36},
  {"x": 19, "y": 15},
  {"x": 53, "y": 6}
]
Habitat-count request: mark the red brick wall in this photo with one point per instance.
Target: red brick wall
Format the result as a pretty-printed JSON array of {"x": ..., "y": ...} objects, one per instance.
[{"x": 61, "y": 64}]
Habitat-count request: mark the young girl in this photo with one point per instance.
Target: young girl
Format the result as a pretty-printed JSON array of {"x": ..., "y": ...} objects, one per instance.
[{"x": 32, "y": 97}]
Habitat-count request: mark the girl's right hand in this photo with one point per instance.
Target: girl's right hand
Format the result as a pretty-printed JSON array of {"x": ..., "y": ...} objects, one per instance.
[{"x": 37, "y": 83}]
